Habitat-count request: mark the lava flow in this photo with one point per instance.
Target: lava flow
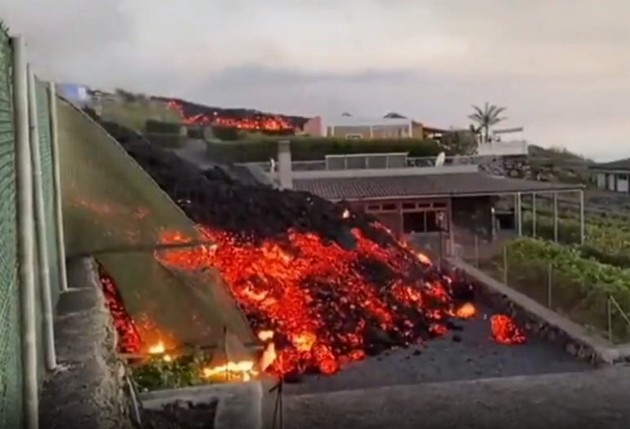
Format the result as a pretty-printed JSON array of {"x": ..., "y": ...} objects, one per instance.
[
  {"x": 257, "y": 122},
  {"x": 505, "y": 331},
  {"x": 320, "y": 283},
  {"x": 325, "y": 305}
]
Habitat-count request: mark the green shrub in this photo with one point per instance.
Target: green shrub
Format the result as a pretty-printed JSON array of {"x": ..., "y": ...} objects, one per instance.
[
  {"x": 226, "y": 133},
  {"x": 153, "y": 126},
  {"x": 313, "y": 149}
]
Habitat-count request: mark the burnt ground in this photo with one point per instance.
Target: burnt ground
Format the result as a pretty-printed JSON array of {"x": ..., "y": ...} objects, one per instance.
[{"x": 465, "y": 355}]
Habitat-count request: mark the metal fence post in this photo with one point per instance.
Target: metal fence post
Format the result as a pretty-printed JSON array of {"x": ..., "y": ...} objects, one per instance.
[
  {"x": 54, "y": 142},
  {"x": 41, "y": 241},
  {"x": 476, "y": 251},
  {"x": 26, "y": 236},
  {"x": 505, "y": 265},
  {"x": 549, "y": 285},
  {"x": 609, "y": 318}
]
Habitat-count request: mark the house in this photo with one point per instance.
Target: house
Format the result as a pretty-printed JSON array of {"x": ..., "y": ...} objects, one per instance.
[
  {"x": 360, "y": 128},
  {"x": 612, "y": 176},
  {"x": 433, "y": 207}
]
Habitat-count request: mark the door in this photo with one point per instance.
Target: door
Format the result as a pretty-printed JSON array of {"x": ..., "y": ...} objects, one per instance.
[
  {"x": 611, "y": 182},
  {"x": 622, "y": 183},
  {"x": 601, "y": 180}
]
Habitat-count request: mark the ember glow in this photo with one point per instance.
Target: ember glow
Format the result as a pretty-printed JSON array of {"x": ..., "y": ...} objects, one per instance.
[
  {"x": 505, "y": 331},
  {"x": 322, "y": 306},
  {"x": 258, "y": 122}
]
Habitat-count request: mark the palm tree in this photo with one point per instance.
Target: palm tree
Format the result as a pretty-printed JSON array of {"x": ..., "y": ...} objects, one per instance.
[{"x": 486, "y": 118}]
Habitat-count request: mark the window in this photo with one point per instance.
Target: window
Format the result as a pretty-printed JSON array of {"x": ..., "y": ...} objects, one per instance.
[
  {"x": 409, "y": 206},
  {"x": 389, "y": 207},
  {"x": 414, "y": 223},
  {"x": 424, "y": 222},
  {"x": 373, "y": 207},
  {"x": 354, "y": 136},
  {"x": 622, "y": 177}
]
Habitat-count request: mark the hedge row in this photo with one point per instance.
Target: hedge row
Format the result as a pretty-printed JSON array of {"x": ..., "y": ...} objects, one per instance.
[
  {"x": 313, "y": 149},
  {"x": 153, "y": 126}
]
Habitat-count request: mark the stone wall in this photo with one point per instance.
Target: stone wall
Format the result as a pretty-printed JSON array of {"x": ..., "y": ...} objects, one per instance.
[{"x": 88, "y": 389}]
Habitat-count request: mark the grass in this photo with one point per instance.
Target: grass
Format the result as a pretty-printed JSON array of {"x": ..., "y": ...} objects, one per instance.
[{"x": 134, "y": 114}]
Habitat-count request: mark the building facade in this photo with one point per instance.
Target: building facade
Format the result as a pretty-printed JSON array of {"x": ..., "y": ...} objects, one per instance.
[{"x": 612, "y": 176}]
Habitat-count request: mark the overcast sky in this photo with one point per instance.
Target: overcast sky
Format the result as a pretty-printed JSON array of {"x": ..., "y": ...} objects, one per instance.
[{"x": 561, "y": 67}]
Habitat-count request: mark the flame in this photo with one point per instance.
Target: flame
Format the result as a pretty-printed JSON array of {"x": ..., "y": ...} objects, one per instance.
[
  {"x": 258, "y": 121},
  {"x": 345, "y": 214},
  {"x": 505, "y": 331},
  {"x": 157, "y": 349},
  {"x": 231, "y": 371},
  {"x": 466, "y": 311}
]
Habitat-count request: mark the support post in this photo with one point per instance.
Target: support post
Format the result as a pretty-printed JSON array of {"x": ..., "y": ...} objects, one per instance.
[
  {"x": 54, "y": 142},
  {"x": 519, "y": 214},
  {"x": 534, "y": 214},
  {"x": 26, "y": 237},
  {"x": 41, "y": 241},
  {"x": 555, "y": 217},
  {"x": 582, "y": 226}
]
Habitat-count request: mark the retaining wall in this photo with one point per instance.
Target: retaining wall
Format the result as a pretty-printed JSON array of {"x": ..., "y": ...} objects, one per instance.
[{"x": 88, "y": 389}]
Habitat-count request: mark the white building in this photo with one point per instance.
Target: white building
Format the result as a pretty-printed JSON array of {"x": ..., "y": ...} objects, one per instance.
[{"x": 613, "y": 176}]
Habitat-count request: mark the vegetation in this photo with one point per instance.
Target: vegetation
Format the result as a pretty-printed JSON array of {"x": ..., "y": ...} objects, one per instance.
[
  {"x": 134, "y": 110},
  {"x": 160, "y": 374},
  {"x": 313, "y": 149},
  {"x": 608, "y": 243},
  {"x": 580, "y": 288},
  {"x": 485, "y": 118}
]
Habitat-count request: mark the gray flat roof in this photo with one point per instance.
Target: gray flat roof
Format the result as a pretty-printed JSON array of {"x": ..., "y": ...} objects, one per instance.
[
  {"x": 419, "y": 186},
  {"x": 621, "y": 164}
]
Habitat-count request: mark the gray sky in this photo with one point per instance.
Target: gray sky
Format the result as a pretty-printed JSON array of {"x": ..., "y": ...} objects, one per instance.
[{"x": 561, "y": 67}]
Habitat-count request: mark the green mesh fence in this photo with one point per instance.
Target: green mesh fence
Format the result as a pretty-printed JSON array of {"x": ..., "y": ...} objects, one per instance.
[
  {"x": 10, "y": 363},
  {"x": 116, "y": 212},
  {"x": 45, "y": 144}
]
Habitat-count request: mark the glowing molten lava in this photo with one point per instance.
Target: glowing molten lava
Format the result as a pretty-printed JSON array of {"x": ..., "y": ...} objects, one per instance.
[
  {"x": 322, "y": 305},
  {"x": 505, "y": 331},
  {"x": 258, "y": 122}
]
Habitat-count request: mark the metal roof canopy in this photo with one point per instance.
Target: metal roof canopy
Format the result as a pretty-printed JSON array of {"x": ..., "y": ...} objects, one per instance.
[{"x": 425, "y": 186}]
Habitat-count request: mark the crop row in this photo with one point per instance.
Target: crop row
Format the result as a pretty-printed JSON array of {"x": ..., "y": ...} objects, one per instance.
[
  {"x": 575, "y": 285},
  {"x": 608, "y": 244}
]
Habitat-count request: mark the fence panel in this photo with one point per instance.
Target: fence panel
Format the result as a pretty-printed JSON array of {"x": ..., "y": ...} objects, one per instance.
[
  {"x": 10, "y": 363},
  {"x": 45, "y": 142}
]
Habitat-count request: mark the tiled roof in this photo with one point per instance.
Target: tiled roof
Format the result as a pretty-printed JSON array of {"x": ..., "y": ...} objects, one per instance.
[
  {"x": 451, "y": 184},
  {"x": 621, "y": 164}
]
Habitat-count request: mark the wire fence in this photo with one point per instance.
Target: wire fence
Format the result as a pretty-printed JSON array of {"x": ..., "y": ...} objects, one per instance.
[
  {"x": 592, "y": 293},
  {"x": 32, "y": 268}
]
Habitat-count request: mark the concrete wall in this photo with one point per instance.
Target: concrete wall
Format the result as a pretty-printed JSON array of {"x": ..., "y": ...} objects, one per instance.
[{"x": 88, "y": 390}]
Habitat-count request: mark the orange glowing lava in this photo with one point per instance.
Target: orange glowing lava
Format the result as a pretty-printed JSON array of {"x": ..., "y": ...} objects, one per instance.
[
  {"x": 258, "y": 122},
  {"x": 505, "y": 331},
  {"x": 317, "y": 302}
]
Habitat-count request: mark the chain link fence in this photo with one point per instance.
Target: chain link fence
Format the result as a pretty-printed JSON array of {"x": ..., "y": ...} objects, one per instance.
[
  {"x": 10, "y": 358},
  {"x": 558, "y": 276}
]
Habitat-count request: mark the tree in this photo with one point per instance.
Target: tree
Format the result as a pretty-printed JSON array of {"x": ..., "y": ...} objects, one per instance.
[
  {"x": 485, "y": 119},
  {"x": 459, "y": 142}
]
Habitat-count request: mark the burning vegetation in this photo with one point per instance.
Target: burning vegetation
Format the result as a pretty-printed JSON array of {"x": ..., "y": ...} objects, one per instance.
[{"x": 320, "y": 285}]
